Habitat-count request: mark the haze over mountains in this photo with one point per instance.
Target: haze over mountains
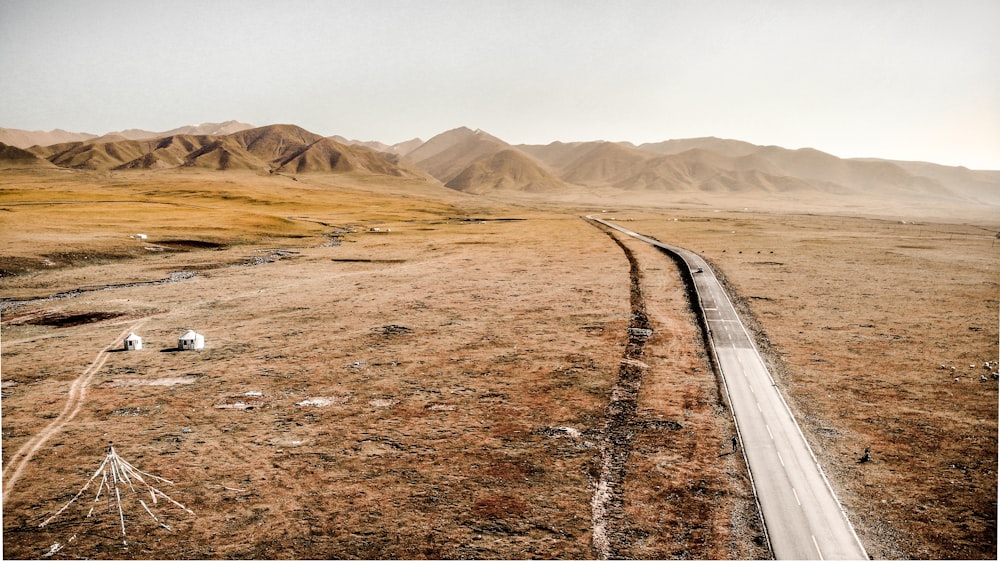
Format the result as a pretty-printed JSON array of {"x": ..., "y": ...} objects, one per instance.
[
  {"x": 473, "y": 161},
  {"x": 26, "y": 139},
  {"x": 273, "y": 149}
]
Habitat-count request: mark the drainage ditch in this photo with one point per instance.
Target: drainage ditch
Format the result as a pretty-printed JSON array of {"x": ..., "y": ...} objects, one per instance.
[{"x": 607, "y": 505}]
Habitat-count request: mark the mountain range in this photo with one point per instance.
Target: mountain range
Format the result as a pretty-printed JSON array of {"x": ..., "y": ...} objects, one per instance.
[
  {"x": 474, "y": 161},
  {"x": 26, "y": 139},
  {"x": 273, "y": 149}
]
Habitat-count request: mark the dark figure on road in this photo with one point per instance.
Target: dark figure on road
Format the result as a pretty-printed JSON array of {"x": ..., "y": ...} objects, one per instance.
[
  {"x": 866, "y": 457},
  {"x": 734, "y": 444}
]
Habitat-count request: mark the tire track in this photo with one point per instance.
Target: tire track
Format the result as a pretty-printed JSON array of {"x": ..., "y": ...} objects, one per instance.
[
  {"x": 607, "y": 504},
  {"x": 74, "y": 402}
]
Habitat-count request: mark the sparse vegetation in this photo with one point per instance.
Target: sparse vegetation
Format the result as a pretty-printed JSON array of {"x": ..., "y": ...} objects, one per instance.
[
  {"x": 857, "y": 320},
  {"x": 440, "y": 390}
]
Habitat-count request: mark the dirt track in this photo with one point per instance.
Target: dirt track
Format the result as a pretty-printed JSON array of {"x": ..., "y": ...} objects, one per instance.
[
  {"x": 438, "y": 390},
  {"x": 439, "y": 402},
  {"x": 74, "y": 402}
]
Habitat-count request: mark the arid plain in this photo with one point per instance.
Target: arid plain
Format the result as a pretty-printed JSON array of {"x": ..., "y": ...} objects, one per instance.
[{"x": 394, "y": 369}]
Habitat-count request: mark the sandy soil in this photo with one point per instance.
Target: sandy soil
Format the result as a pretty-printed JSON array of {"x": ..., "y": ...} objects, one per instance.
[{"x": 444, "y": 387}]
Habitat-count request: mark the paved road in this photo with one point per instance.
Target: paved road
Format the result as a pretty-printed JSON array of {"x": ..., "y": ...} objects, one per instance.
[{"x": 803, "y": 518}]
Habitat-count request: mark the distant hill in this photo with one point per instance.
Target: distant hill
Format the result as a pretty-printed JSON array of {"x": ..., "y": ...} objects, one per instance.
[
  {"x": 14, "y": 157},
  {"x": 726, "y": 147},
  {"x": 289, "y": 148},
  {"x": 92, "y": 155},
  {"x": 26, "y": 139},
  {"x": 274, "y": 149},
  {"x": 708, "y": 172},
  {"x": 23, "y": 139},
  {"x": 977, "y": 185},
  {"x": 406, "y": 147},
  {"x": 224, "y": 128},
  {"x": 400, "y": 148},
  {"x": 176, "y": 151},
  {"x": 476, "y": 162},
  {"x": 506, "y": 170},
  {"x": 714, "y": 165},
  {"x": 448, "y": 154},
  {"x": 592, "y": 164},
  {"x": 810, "y": 164}
]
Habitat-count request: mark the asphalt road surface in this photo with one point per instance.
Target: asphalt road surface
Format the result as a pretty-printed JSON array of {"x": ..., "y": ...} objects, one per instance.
[{"x": 802, "y": 516}]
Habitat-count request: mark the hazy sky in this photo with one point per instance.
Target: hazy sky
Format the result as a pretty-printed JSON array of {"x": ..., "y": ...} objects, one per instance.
[{"x": 902, "y": 79}]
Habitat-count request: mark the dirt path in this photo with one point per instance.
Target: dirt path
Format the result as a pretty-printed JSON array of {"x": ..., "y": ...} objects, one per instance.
[
  {"x": 174, "y": 277},
  {"x": 616, "y": 443},
  {"x": 74, "y": 402}
]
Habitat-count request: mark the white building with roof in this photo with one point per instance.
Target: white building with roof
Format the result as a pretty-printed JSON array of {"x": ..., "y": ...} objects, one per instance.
[
  {"x": 133, "y": 342},
  {"x": 191, "y": 340}
]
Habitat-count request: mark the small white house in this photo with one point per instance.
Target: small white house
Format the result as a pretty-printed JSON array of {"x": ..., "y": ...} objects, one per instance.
[
  {"x": 133, "y": 342},
  {"x": 191, "y": 340}
]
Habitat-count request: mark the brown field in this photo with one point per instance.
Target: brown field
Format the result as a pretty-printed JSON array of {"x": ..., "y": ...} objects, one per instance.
[{"x": 450, "y": 385}]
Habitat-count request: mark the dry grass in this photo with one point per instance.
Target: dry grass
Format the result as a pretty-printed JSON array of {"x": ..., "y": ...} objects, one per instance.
[
  {"x": 464, "y": 368},
  {"x": 440, "y": 355},
  {"x": 858, "y": 316},
  {"x": 681, "y": 480}
]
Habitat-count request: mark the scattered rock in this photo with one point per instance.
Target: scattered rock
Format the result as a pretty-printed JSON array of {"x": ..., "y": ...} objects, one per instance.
[
  {"x": 440, "y": 407},
  {"x": 640, "y": 332},
  {"x": 658, "y": 425},
  {"x": 634, "y": 363},
  {"x": 244, "y": 401},
  {"x": 166, "y": 381},
  {"x": 323, "y": 401},
  {"x": 392, "y": 330},
  {"x": 560, "y": 431}
]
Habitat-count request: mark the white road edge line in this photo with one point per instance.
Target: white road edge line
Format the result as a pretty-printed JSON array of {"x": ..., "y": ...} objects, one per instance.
[{"x": 680, "y": 253}]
